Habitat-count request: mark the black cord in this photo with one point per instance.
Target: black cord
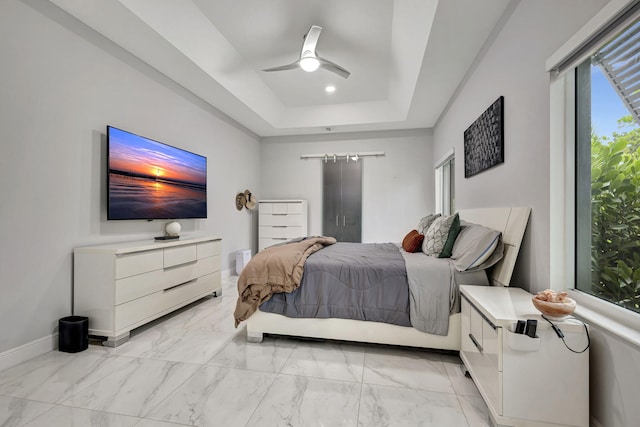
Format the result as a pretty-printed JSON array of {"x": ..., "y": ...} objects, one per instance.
[{"x": 561, "y": 335}]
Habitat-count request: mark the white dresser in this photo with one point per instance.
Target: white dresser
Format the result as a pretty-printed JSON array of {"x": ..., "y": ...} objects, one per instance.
[
  {"x": 122, "y": 286},
  {"x": 281, "y": 220},
  {"x": 524, "y": 381}
]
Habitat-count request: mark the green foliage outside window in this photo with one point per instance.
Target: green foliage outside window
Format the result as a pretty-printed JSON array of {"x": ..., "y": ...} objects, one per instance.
[{"x": 615, "y": 215}]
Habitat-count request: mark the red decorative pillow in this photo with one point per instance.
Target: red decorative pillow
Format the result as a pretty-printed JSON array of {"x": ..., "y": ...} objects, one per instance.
[{"x": 412, "y": 241}]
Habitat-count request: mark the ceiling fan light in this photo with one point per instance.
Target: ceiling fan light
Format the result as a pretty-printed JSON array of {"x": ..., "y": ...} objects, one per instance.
[{"x": 309, "y": 64}]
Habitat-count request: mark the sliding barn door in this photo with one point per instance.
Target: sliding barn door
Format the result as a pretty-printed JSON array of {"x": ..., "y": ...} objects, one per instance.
[{"x": 342, "y": 200}]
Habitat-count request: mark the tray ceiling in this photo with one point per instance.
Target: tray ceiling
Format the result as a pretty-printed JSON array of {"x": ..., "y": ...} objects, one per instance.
[{"x": 406, "y": 57}]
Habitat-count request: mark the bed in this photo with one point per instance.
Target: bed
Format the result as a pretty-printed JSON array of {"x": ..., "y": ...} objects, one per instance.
[{"x": 511, "y": 222}]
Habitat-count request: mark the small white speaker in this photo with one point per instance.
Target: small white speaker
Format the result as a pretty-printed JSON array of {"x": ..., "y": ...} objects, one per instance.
[{"x": 173, "y": 228}]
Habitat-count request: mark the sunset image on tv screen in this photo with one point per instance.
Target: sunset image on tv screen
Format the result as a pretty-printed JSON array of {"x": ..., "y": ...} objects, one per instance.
[{"x": 151, "y": 180}]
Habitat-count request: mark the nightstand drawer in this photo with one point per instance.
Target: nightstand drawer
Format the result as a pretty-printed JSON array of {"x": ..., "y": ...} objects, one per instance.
[{"x": 475, "y": 328}]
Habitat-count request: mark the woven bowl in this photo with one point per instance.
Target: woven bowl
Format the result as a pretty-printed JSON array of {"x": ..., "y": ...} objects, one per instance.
[{"x": 555, "y": 310}]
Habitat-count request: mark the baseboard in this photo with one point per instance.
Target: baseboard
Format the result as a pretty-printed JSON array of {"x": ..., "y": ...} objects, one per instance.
[{"x": 17, "y": 355}]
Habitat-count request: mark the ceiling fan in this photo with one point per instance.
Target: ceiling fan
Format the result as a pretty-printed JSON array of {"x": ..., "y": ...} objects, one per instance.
[{"x": 309, "y": 60}]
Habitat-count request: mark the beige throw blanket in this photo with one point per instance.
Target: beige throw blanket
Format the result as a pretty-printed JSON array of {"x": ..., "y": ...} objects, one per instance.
[{"x": 275, "y": 269}]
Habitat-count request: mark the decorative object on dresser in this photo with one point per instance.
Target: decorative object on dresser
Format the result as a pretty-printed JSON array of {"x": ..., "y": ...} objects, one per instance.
[
  {"x": 526, "y": 376},
  {"x": 484, "y": 140},
  {"x": 121, "y": 286},
  {"x": 173, "y": 229},
  {"x": 281, "y": 220}
]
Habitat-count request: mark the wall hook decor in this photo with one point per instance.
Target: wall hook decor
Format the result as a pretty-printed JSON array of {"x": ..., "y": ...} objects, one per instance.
[
  {"x": 250, "y": 200},
  {"x": 246, "y": 200},
  {"x": 240, "y": 201}
]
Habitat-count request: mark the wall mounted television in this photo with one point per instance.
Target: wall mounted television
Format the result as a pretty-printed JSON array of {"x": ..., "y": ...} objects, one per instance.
[{"x": 151, "y": 180}]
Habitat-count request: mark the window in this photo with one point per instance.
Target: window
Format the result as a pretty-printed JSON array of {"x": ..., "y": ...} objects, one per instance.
[
  {"x": 445, "y": 184},
  {"x": 607, "y": 167}
]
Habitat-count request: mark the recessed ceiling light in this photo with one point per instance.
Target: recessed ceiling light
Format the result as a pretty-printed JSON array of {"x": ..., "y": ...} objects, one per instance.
[{"x": 330, "y": 89}]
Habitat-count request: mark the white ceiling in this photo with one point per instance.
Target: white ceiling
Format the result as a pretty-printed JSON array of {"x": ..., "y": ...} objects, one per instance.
[{"x": 406, "y": 57}]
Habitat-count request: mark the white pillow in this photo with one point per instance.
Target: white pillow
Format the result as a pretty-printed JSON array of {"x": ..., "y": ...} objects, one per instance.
[{"x": 476, "y": 248}]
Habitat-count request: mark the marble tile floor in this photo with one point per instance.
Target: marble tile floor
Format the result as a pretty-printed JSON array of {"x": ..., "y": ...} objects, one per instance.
[{"x": 193, "y": 368}]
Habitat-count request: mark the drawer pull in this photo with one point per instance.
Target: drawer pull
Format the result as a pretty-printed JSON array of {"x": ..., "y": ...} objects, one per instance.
[
  {"x": 476, "y": 343},
  {"x": 279, "y": 226},
  {"x": 281, "y": 214},
  {"x": 279, "y": 238},
  {"x": 173, "y": 267},
  {"x": 180, "y": 285}
]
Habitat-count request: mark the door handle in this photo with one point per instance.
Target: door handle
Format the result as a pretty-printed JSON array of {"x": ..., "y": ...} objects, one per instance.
[
  {"x": 344, "y": 221},
  {"x": 337, "y": 225}
]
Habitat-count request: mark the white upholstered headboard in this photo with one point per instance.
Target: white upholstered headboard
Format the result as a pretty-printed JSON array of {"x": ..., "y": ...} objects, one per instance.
[{"x": 512, "y": 222}]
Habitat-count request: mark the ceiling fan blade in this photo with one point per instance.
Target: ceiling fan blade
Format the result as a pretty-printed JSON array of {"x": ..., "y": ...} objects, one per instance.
[
  {"x": 292, "y": 66},
  {"x": 310, "y": 41},
  {"x": 333, "y": 67}
]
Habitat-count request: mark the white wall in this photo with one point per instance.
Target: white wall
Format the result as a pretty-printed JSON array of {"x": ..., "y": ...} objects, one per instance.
[
  {"x": 513, "y": 66},
  {"x": 60, "y": 85},
  {"x": 397, "y": 189},
  {"x": 614, "y": 380}
]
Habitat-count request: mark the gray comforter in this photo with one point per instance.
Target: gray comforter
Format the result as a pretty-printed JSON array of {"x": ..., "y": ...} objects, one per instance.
[
  {"x": 376, "y": 282},
  {"x": 434, "y": 290}
]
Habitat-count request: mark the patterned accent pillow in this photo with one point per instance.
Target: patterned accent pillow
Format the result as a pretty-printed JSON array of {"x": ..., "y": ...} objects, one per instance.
[
  {"x": 412, "y": 242},
  {"x": 425, "y": 223},
  {"x": 441, "y": 236}
]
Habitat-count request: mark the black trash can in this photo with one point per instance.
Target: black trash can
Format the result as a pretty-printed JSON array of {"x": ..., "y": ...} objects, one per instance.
[{"x": 73, "y": 334}]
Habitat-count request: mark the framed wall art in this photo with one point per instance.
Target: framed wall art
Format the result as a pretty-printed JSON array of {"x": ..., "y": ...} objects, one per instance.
[{"x": 484, "y": 140}]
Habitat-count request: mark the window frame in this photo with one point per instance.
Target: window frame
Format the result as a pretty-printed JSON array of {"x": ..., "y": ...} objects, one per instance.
[
  {"x": 444, "y": 170},
  {"x": 562, "y": 165}
]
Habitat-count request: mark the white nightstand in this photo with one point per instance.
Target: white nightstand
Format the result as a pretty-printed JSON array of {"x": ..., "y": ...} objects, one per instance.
[{"x": 524, "y": 381}]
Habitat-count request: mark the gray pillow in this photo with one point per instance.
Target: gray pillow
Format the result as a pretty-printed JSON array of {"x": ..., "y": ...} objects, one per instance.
[
  {"x": 476, "y": 247},
  {"x": 436, "y": 236},
  {"x": 425, "y": 222}
]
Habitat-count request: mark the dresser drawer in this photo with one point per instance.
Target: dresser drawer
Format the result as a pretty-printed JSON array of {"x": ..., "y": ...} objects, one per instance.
[
  {"x": 276, "y": 208},
  {"x": 281, "y": 220},
  {"x": 133, "y": 287},
  {"x": 265, "y": 243},
  {"x": 138, "y": 263},
  {"x": 209, "y": 249},
  {"x": 280, "y": 232},
  {"x": 152, "y": 306},
  {"x": 180, "y": 255}
]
